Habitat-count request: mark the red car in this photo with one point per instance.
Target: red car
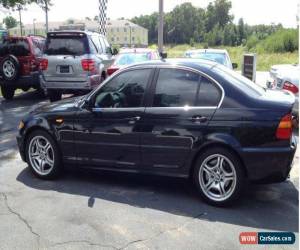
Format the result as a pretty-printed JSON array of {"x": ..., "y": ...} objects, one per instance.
[
  {"x": 132, "y": 56},
  {"x": 19, "y": 64}
]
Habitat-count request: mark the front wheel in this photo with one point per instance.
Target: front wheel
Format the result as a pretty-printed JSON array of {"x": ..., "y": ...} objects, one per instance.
[
  {"x": 42, "y": 155},
  {"x": 219, "y": 176}
]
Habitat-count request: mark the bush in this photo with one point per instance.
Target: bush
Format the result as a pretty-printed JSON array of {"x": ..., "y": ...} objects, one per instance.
[
  {"x": 284, "y": 40},
  {"x": 252, "y": 42}
]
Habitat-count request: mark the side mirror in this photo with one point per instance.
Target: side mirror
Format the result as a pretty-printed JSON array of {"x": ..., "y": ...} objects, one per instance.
[
  {"x": 115, "y": 51},
  {"x": 163, "y": 55},
  {"x": 87, "y": 105},
  {"x": 234, "y": 65}
]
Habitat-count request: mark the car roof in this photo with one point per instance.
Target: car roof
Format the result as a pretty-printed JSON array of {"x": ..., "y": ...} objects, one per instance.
[
  {"x": 74, "y": 32},
  {"x": 217, "y": 51},
  {"x": 198, "y": 64},
  {"x": 136, "y": 50}
]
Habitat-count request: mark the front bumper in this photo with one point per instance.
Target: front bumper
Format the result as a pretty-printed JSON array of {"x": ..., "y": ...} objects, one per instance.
[
  {"x": 269, "y": 165},
  {"x": 21, "y": 146}
]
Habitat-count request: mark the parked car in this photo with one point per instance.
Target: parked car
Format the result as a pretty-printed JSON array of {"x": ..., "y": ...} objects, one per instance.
[
  {"x": 218, "y": 55},
  {"x": 131, "y": 56},
  {"x": 170, "y": 117},
  {"x": 19, "y": 64},
  {"x": 286, "y": 77},
  {"x": 74, "y": 62}
]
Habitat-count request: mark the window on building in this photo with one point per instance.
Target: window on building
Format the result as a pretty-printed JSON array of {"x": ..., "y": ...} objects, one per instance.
[{"x": 125, "y": 30}]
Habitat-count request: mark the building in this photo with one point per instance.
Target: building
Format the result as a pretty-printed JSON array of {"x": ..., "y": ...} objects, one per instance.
[
  {"x": 126, "y": 33},
  {"x": 119, "y": 32}
]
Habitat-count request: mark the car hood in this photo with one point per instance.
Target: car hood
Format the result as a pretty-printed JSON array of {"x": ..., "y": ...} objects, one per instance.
[{"x": 66, "y": 105}]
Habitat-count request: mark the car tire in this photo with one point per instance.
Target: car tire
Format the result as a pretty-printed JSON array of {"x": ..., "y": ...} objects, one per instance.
[
  {"x": 10, "y": 68},
  {"x": 8, "y": 92},
  {"x": 43, "y": 155},
  {"x": 219, "y": 176},
  {"x": 54, "y": 95}
]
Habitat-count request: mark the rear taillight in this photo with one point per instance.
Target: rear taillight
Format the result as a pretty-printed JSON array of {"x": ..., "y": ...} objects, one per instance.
[
  {"x": 88, "y": 64},
  {"x": 112, "y": 70},
  {"x": 285, "y": 128},
  {"x": 43, "y": 64},
  {"x": 290, "y": 87}
]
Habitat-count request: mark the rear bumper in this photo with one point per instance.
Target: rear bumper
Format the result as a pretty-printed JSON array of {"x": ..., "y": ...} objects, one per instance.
[
  {"x": 90, "y": 83},
  {"x": 269, "y": 165},
  {"x": 32, "y": 80}
]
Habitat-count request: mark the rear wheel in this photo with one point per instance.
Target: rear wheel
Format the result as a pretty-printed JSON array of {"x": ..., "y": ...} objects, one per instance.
[
  {"x": 8, "y": 92},
  {"x": 54, "y": 95},
  {"x": 219, "y": 176},
  {"x": 10, "y": 68},
  {"x": 42, "y": 155}
]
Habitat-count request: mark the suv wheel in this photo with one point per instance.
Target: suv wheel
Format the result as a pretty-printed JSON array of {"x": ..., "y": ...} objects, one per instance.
[
  {"x": 42, "y": 155},
  {"x": 8, "y": 92},
  {"x": 219, "y": 176},
  {"x": 10, "y": 68},
  {"x": 54, "y": 95}
]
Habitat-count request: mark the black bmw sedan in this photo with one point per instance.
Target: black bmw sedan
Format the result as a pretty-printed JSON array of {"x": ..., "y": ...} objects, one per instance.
[{"x": 183, "y": 118}]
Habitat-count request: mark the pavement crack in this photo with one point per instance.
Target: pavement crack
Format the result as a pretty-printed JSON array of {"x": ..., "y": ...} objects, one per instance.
[
  {"x": 163, "y": 232},
  {"x": 21, "y": 219},
  {"x": 83, "y": 241}
]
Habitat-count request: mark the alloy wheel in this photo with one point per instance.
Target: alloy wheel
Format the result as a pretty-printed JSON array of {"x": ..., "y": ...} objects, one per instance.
[
  {"x": 217, "y": 177},
  {"x": 41, "y": 155},
  {"x": 9, "y": 69}
]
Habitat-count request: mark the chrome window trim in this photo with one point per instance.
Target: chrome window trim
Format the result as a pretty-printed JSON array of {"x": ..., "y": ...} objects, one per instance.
[{"x": 154, "y": 66}]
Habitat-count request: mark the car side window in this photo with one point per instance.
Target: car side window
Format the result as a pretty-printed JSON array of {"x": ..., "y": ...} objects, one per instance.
[
  {"x": 209, "y": 94},
  {"x": 96, "y": 43},
  {"x": 176, "y": 88},
  {"x": 102, "y": 44},
  {"x": 125, "y": 90}
]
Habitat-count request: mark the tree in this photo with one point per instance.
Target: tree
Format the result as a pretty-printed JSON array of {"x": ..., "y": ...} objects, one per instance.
[
  {"x": 13, "y": 3},
  {"x": 96, "y": 18},
  {"x": 10, "y": 22},
  {"x": 241, "y": 30},
  {"x": 88, "y": 18}
]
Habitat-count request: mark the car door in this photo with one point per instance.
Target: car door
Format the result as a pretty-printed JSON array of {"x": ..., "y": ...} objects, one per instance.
[
  {"x": 108, "y": 134},
  {"x": 176, "y": 121}
]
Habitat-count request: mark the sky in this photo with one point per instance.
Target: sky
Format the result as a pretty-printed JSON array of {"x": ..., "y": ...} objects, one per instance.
[{"x": 253, "y": 11}]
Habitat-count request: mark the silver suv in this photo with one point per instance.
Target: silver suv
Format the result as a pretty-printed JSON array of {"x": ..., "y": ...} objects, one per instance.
[{"x": 74, "y": 62}]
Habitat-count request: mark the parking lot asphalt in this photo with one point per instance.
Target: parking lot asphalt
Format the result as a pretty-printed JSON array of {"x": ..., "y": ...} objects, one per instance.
[{"x": 84, "y": 210}]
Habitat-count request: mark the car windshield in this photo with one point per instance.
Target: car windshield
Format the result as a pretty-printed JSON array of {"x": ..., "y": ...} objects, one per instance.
[
  {"x": 130, "y": 58},
  {"x": 66, "y": 45},
  {"x": 238, "y": 80},
  {"x": 217, "y": 57}
]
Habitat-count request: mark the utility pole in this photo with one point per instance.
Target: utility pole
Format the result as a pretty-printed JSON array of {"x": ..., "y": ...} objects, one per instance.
[
  {"x": 161, "y": 27},
  {"x": 46, "y": 12},
  {"x": 19, "y": 8}
]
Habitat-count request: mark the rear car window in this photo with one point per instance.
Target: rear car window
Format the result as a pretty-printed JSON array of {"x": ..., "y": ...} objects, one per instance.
[
  {"x": 176, "y": 88},
  {"x": 16, "y": 47},
  {"x": 239, "y": 81},
  {"x": 209, "y": 94},
  {"x": 67, "y": 45}
]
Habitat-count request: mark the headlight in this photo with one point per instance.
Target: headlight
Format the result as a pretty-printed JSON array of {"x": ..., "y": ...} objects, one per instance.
[{"x": 21, "y": 125}]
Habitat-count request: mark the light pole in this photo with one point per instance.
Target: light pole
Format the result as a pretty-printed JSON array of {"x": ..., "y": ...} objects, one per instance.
[
  {"x": 161, "y": 27},
  {"x": 19, "y": 8},
  {"x": 34, "y": 26}
]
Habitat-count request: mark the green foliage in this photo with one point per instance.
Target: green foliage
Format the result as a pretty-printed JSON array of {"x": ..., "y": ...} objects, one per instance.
[
  {"x": 10, "y": 22},
  {"x": 13, "y": 3},
  {"x": 284, "y": 40},
  {"x": 213, "y": 26}
]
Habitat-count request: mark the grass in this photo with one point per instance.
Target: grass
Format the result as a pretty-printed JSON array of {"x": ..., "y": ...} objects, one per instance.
[{"x": 264, "y": 60}]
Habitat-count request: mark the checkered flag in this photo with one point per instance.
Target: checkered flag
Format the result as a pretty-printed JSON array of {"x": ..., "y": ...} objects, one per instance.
[{"x": 102, "y": 16}]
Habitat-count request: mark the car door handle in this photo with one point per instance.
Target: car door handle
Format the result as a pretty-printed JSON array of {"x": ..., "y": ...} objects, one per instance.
[
  {"x": 133, "y": 120},
  {"x": 198, "y": 119}
]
